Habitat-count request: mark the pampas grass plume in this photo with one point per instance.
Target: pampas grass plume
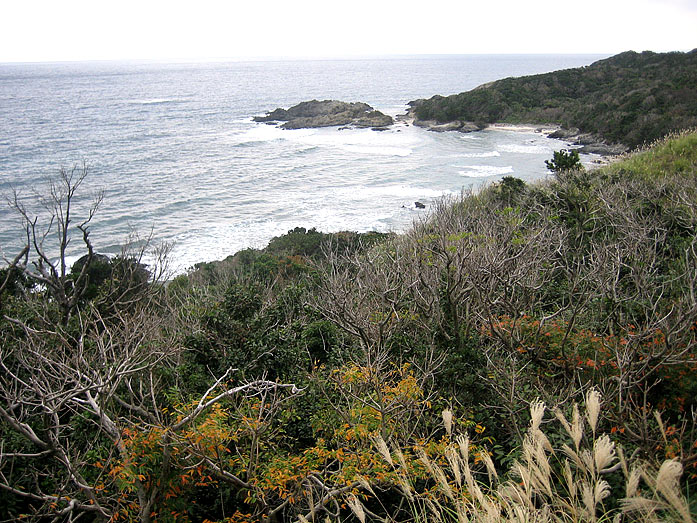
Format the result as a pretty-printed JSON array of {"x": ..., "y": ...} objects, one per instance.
[
  {"x": 383, "y": 449},
  {"x": 464, "y": 443},
  {"x": 537, "y": 411},
  {"x": 603, "y": 452},
  {"x": 356, "y": 507},
  {"x": 593, "y": 408},
  {"x": 668, "y": 484},
  {"x": 448, "y": 421},
  {"x": 452, "y": 457}
]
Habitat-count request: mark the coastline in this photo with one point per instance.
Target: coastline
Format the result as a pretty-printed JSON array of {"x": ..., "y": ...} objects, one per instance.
[
  {"x": 585, "y": 142},
  {"x": 526, "y": 128}
]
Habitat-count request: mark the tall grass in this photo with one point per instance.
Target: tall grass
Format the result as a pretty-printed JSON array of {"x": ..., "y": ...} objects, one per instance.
[
  {"x": 674, "y": 155},
  {"x": 584, "y": 478}
]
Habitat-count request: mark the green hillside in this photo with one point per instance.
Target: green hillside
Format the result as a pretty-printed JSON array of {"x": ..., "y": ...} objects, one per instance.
[{"x": 630, "y": 98}]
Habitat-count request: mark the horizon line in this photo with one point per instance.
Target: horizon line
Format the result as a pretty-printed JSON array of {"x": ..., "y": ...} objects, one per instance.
[{"x": 281, "y": 58}]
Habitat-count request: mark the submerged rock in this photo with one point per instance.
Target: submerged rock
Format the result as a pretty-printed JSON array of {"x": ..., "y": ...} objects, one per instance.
[{"x": 327, "y": 113}]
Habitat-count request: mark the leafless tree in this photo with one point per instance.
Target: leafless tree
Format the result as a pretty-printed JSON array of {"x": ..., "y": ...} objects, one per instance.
[{"x": 49, "y": 242}]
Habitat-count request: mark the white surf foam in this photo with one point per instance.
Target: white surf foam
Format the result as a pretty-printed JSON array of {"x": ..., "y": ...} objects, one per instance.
[
  {"x": 154, "y": 101},
  {"x": 362, "y": 141},
  {"x": 489, "y": 154},
  {"x": 391, "y": 191},
  {"x": 482, "y": 171},
  {"x": 381, "y": 151},
  {"x": 267, "y": 133},
  {"x": 524, "y": 149}
]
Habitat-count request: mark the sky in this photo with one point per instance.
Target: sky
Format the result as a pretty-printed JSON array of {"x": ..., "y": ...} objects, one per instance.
[{"x": 68, "y": 30}]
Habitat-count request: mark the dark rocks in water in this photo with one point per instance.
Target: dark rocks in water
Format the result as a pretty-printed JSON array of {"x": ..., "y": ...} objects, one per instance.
[
  {"x": 374, "y": 119},
  {"x": 590, "y": 143},
  {"x": 604, "y": 149},
  {"x": 455, "y": 125},
  {"x": 564, "y": 134},
  {"x": 327, "y": 113},
  {"x": 420, "y": 205},
  {"x": 594, "y": 144}
]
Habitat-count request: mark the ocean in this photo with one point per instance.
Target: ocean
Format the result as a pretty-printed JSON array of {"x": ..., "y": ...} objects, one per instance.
[{"x": 175, "y": 151}]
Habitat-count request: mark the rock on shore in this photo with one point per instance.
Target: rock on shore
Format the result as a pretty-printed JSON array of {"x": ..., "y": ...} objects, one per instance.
[
  {"x": 455, "y": 125},
  {"x": 589, "y": 143},
  {"x": 327, "y": 113},
  {"x": 434, "y": 125}
]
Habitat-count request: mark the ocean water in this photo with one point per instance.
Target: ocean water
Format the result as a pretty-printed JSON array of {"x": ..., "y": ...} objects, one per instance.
[{"x": 175, "y": 151}]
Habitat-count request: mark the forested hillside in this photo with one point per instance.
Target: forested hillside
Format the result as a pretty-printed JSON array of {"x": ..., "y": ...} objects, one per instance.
[
  {"x": 525, "y": 354},
  {"x": 630, "y": 98}
]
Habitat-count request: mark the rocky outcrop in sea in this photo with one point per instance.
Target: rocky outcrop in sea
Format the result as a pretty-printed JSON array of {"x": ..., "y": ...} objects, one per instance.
[{"x": 327, "y": 113}]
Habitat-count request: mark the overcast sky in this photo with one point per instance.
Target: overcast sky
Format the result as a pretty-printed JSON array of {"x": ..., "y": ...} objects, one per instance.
[{"x": 48, "y": 30}]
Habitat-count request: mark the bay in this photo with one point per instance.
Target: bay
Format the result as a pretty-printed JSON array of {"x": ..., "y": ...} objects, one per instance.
[{"x": 174, "y": 148}]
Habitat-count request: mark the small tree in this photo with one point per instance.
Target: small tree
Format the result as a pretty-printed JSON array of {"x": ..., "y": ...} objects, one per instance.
[
  {"x": 564, "y": 160},
  {"x": 510, "y": 189},
  {"x": 48, "y": 244}
]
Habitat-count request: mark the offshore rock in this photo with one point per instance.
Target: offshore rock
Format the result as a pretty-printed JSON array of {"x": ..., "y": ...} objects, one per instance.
[{"x": 327, "y": 113}]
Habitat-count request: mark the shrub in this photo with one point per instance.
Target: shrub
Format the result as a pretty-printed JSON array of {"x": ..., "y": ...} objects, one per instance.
[{"x": 564, "y": 160}]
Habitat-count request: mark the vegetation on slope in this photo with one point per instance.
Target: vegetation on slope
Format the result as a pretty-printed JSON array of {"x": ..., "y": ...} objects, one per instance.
[
  {"x": 428, "y": 376},
  {"x": 629, "y": 98}
]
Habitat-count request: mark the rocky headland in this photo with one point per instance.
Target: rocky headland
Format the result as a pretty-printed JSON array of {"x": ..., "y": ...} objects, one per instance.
[
  {"x": 328, "y": 113},
  {"x": 619, "y": 103}
]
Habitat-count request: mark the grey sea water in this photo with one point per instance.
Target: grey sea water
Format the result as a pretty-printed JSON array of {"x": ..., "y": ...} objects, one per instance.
[{"x": 174, "y": 148}]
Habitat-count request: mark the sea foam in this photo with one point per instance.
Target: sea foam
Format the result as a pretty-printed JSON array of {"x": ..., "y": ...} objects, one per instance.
[
  {"x": 488, "y": 154},
  {"x": 483, "y": 171}
]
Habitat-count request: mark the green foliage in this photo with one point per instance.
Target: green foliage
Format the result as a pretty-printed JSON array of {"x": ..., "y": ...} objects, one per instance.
[
  {"x": 287, "y": 257},
  {"x": 320, "y": 338},
  {"x": 511, "y": 190},
  {"x": 564, "y": 160},
  {"x": 111, "y": 283}
]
